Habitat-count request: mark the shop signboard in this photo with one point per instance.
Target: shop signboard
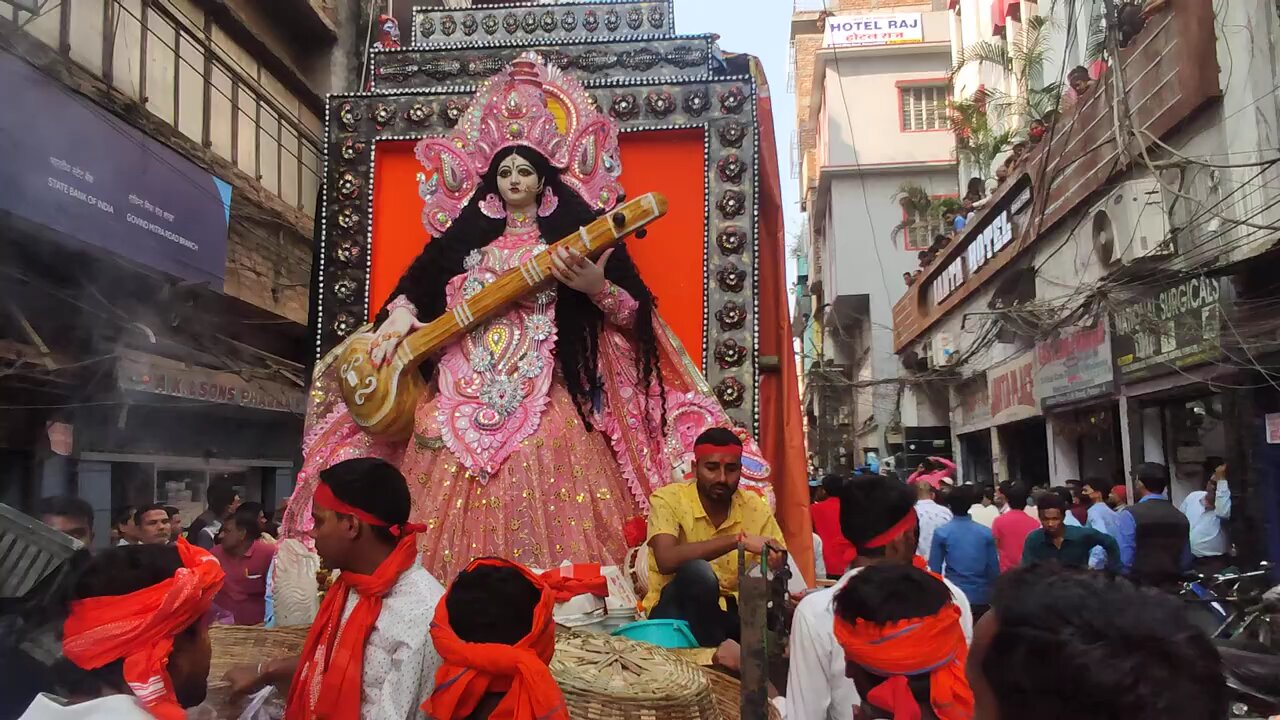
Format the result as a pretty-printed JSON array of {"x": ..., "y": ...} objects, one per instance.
[
  {"x": 154, "y": 374},
  {"x": 882, "y": 29},
  {"x": 972, "y": 406},
  {"x": 1176, "y": 327},
  {"x": 1011, "y": 386},
  {"x": 1073, "y": 366},
  {"x": 74, "y": 168},
  {"x": 991, "y": 233}
]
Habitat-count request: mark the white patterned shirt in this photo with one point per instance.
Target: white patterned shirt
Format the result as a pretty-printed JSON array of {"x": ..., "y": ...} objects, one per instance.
[
  {"x": 817, "y": 688},
  {"x": 400, "y": 662},
  {"x": 931, "y": 516}
]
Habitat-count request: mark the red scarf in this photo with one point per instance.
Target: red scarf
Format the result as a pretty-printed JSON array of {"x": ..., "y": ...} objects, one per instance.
[
  {"x": 471, "y": 670},
  {"x": 570, "y": 581},
  {"x": 908, "y": 521},
  {"x": 327, "y": 682},
  {"x": 933, "y": 645},
  {"x": 140, "y": 627}
]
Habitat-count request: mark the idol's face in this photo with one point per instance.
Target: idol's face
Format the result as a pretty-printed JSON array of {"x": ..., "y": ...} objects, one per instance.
[{"x": 518, "y": 182}]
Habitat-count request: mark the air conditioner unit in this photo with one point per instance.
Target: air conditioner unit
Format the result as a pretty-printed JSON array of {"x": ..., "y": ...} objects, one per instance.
[
  {"x": 946, "y": 350},
  {"x": 845, "y": 415},
  {"x": 1197, "y": 225},
  {"x": 1130, "y": 224}
]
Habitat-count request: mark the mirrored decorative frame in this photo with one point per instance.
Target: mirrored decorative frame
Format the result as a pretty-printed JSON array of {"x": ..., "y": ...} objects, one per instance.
[{"x": 420, "y": 99}]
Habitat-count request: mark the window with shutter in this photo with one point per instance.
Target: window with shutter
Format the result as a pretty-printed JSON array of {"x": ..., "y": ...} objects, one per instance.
[{"x": 924, "y": 108}]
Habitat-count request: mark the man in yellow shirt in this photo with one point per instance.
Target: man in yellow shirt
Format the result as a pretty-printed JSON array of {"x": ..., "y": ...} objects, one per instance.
[{"x": 694, "y": 531}]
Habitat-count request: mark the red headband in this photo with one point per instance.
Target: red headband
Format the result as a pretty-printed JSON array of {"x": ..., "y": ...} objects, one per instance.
[
  {"x": 884, "y": 538},
  {"x": 706, "y": 448},
  {"x": 325, "y": 498}
]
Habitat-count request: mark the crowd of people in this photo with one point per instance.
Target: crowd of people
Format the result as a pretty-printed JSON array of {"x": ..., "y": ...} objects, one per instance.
[
  {"x": 999, "y": 622},
  {"x": 946, "y": 602}
]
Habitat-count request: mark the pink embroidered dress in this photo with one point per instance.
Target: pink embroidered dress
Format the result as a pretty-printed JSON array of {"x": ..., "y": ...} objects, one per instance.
[
  {"x": 500, "y": 461},
  {"x": 503, "y": 441}
]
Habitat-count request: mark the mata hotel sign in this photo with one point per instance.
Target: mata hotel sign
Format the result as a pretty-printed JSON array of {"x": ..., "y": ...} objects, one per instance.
[{"x": 860, "y": 30}]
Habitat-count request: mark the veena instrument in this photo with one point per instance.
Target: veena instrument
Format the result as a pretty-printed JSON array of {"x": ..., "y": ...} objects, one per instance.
[{"x": 383, "y": 400}]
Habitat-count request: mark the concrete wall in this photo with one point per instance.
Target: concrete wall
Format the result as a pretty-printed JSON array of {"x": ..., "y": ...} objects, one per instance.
[
  {"x": 861, "y": 256},
  {"x": 862, "y": 121},
  {"x": 862, "y": 260}
]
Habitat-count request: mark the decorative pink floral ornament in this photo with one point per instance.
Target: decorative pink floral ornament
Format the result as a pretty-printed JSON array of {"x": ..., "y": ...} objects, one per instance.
[
  {"x": 549, "y": 203},
  {"x": 493, "y": 207},
  {"x": 533, "y": 105}
]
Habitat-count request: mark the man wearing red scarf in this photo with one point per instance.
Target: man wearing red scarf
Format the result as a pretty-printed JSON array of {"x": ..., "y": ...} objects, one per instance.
[
  {"x": 496, "y": 634},
  {"x": 877, "y": 515},
  {"x": 694, "y": 531},
  {"x": 134, "y": 640},
  {"x": 901, "y": 636},
  {"x": 368, "y": 654}
]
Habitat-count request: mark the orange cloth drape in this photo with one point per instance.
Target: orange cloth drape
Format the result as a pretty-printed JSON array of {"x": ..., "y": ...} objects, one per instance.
[
  {"x": 140, "y": 628},
  {"x": 472, "y": 670},
  {"x": 896, "y": 650},
  {"x": 569, "y": 581},
  {"x": 327, "y": 682},
  {"x": 781, "y": 437}
]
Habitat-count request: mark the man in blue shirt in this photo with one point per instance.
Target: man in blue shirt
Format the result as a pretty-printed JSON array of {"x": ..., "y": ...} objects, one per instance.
[
  {"x": 964, "y": 551},
  {"x": 1100, "y": 517},
  {"x": 1067, "y": 545},
  {"x": 1152, "y": 534}
]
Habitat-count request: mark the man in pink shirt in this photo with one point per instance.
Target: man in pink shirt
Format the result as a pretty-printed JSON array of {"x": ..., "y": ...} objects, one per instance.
[
  {"x": 935, "y": 471},
  {"x": 1012, "y": 527},
  {"x": 246, "y": 561}
]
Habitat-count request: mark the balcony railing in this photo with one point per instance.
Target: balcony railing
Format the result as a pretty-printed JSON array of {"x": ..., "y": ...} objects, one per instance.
[
  {"x": 795, "y": 155},
  {"x": 799, "y": 6},
  {"x": 198, "y": 80}
]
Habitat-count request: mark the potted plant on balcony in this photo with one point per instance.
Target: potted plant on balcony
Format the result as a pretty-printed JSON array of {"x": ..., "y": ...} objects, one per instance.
[
  {"x": 922, "y": 213},
  {"x": 1022, "y": 60},
  {"x": 978, "y": 144}
]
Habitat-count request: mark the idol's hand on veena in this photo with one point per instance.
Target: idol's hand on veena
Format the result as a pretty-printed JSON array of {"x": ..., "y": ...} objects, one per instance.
[
  {"x": 390, "y": 334},
  {"x": 578, "y": 271}
]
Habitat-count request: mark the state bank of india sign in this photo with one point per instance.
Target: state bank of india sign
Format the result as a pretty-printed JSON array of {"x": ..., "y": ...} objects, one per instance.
[{"x": 861, "y": 30}]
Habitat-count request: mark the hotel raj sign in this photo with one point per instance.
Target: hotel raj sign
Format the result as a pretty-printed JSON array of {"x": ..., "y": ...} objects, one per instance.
[
  {"x": 998, "y": 229},
  {"x": 863, "y": 30}
]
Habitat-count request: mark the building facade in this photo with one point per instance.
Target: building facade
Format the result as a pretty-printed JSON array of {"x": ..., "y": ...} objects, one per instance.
[
  {"x": 871, "y": 93},
  {"x": 1107, "y": 307},
  {"x": 163, "y": 167}
]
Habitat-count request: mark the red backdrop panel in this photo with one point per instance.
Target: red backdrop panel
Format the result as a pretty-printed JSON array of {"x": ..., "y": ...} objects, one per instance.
[
  {"x": 670, "y": 258},
  {"x": 398, "y": 233}
]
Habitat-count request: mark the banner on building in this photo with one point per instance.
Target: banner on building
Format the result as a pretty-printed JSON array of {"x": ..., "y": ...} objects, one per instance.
[
  {"x": 864, "y": 30},
  {"x": 1177, "y": 326},
  {"x": 1074, "y": 366},
  {"x": 1011, "y": 386},
  {"x": 76, "y": 169}
]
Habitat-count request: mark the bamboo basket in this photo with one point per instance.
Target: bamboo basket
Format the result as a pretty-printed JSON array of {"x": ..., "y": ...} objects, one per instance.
[
  {"x": 612, "y": 678},
  {"x": 251, "y": 644},
  {"x": 602, "y": 677},
  {"x": 727, "y": 692}
]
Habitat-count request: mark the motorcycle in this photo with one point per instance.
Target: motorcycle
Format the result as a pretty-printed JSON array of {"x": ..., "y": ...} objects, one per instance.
[
  {"x": 1235, "y": 608},
  {"x": 1232, "y": 605},
  {"x": 1252, "y": 672}
]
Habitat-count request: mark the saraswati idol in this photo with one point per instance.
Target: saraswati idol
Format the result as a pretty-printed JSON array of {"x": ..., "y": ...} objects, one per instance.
[{"x": 542, "y": 425}]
